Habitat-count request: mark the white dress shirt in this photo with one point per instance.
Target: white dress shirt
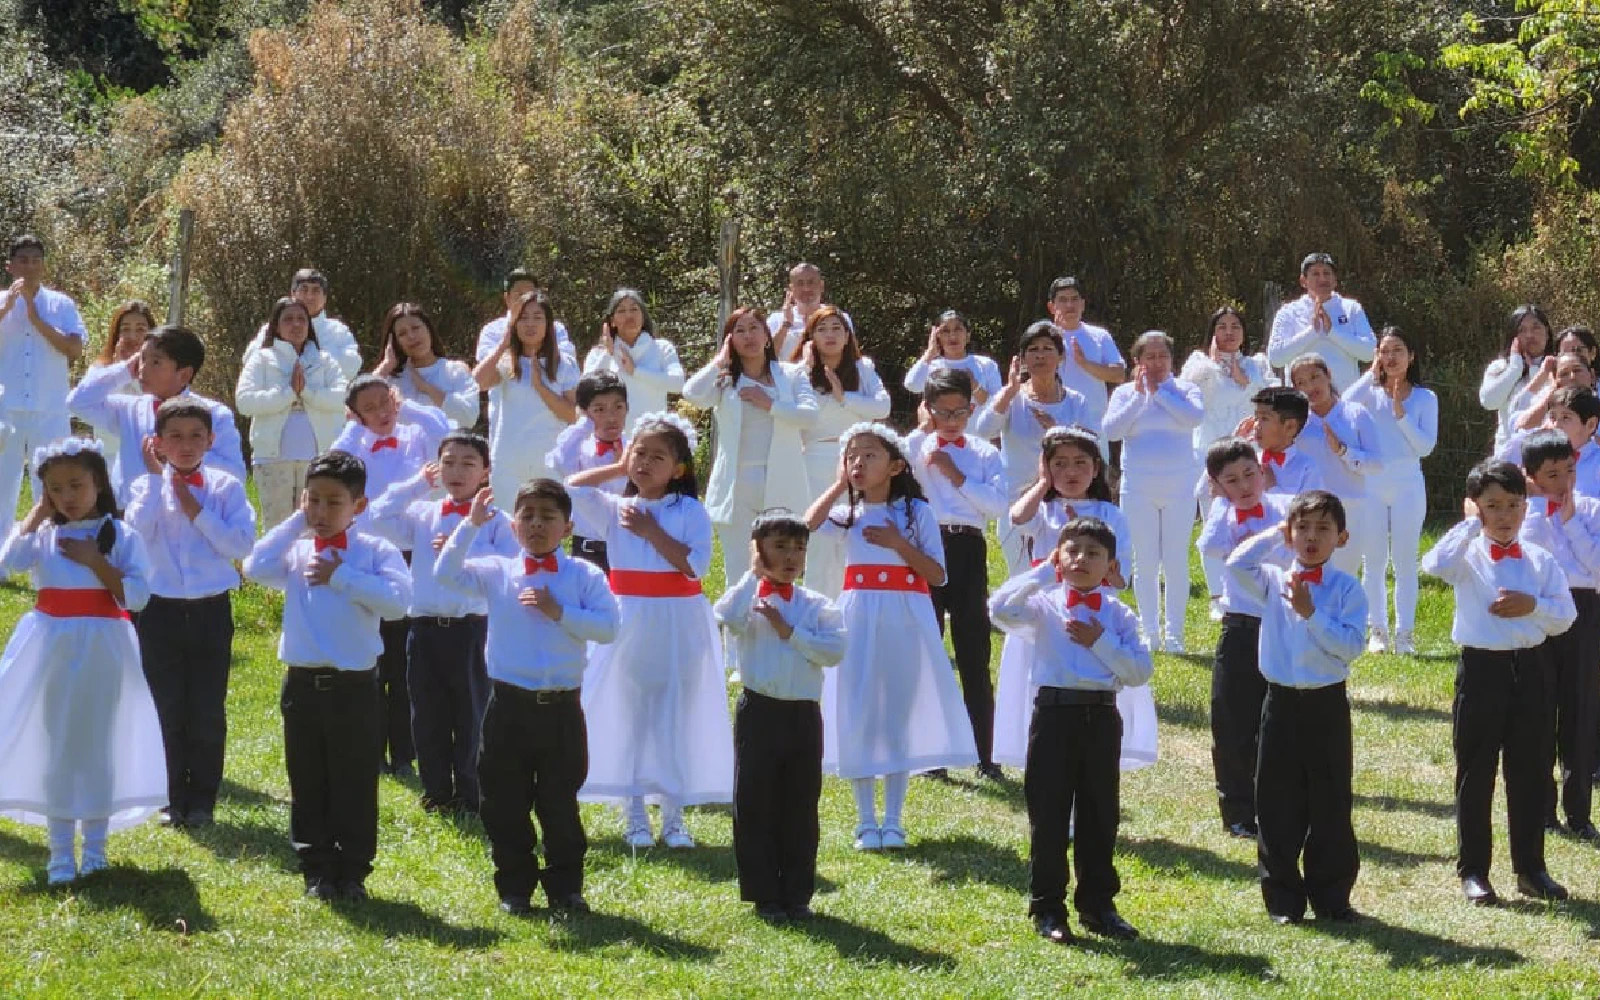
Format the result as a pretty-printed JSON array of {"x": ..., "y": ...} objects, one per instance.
[
  {"x": 1300, "y": 652},
  {"x": 1575, "y": 542},
  {"x": 1100, "y": 348},
  {"x": 34, "y": 374},
  {"x": 1502, "y": 381},
  {"x": 1227, "y": 402},
  {"x": 525, "y": 647},
  {"x": 191, "y": 559},
  {"x": 1156, "y": 428},
  {"x": 788, "y": 669},
  {"x": 1342, "y": 475},
  {"x": 985, "y": 373},
  {"x": 1044, "y": 532},
  {"x": 1036, "y": 601},
  {"x": 578, "y": 450},
  {"x": 1297, "y": 474},
  {"x": 1223, "y": 532},
  {"x": 493, "y": 334},
  {"x": 1347, "y": 345},
  {"x": 1021, "y": 434},
  {"x": 1463, "y": 559},
  {"x": 981, "y": 498},
  {"x": 454, "y": 379},
  {"x": 411, "y": 522},
  {"x": 333, "y": 338},
  {"x": 417, "y": 435},
  {"x": 656, "y": 374}
]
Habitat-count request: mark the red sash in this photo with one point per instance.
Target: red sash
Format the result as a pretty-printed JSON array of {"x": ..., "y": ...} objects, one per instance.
[
  {"x": 62, "y": 602},
  {"x": 874, "y": 577},
  {"x": 644, "y": 583}
]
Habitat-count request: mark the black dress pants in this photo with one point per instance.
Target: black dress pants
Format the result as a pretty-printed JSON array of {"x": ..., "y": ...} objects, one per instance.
[
  {"x": 777, "y": 783},
  {"x": 965, "y": 598},
  {"x": 187, "y": 650},
  {"x": 330, "y": 746}
]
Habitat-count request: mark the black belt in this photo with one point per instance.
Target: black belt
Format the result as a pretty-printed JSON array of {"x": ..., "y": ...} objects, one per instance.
[
  {"x": 1240, "y": 618},
  {"x": 1049, "y": 696},
  {"x": 442, "y": 622},
  {"x": 1285, "y": 690},
  {"x": 557, "y": 696},
  {"x": 327, "y": 678},
  {"x": 591, "y": 544},
  {"x": 225, "y": 595},
  {"x": 961, "y": 529}
]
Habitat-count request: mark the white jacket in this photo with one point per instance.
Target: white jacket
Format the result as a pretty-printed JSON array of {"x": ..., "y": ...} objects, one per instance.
[
  {"x": 263, "y": 395},
  {"x": 794, "y": 409}
]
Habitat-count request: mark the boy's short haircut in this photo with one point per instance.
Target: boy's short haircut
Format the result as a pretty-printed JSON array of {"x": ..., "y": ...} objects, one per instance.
[
  {"x": 181, "y": 344},
  {"x": 544, "y": 489},
  {"x": 182, "y": 408},
  {"x": 343, "y": 468},
  {"x": 517, "y": 274},
  {"x": 308, "y": 276},
  {"x": 477, "y": 442},
  {"x": 1579, "y": 400},
  {"x": 1493, "y": 472},
  {"x": 1548, "y": 445},
  {"x": 590, "y": 387},
  {"x": 1316, "y": 502},
  {"x": 26, "y": 241},
  {"x": 1090, "y": 527},
  {"x": 946, "y": 381},
  {"x": 1064, "y": 284},
  {"x": 360, "y": 384},
  {"x": 1223, "y": 452},
  {"x": 1313, "y": 259},
  {"x": 779, "y": 524},
  {"x": 1286, "y": 402}
]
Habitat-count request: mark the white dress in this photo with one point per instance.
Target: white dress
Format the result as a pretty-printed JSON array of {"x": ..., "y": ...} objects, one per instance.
[
  {"x": 654, "y": 700},
  {"x": 79, "y": 735},
  {"x": 524, "y": 429},
  {"x": 1013, "y": 699},
  {"x": 893, "y": 704},
  {"x": 825, "y": 555}
]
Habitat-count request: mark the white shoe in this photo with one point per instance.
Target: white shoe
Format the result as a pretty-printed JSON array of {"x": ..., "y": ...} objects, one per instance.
[
  {"x": 734, "y": 677},
  {"x": 893, "y": 838},
  {"x": 60, "y": 871},
  {"x": 1404, "y": 644},
  {"x": 677, "y": 837},
  {"x": 1216, "y": 609},
  {"x": 868, "y": 838},
  {"x": 1378, "y": 641},
  {"x": 93, "y": 863},
  {"x": 639, "y": 836}
]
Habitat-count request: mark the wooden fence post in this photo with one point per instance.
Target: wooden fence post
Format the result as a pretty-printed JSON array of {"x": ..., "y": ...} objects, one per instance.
[
  {"x": 178, "y": 282},
  {"x": 728, "y": 269}
]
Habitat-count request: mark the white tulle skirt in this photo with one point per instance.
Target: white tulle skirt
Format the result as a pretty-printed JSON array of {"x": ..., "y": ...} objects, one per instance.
[{"x": 1013, "y": 711}]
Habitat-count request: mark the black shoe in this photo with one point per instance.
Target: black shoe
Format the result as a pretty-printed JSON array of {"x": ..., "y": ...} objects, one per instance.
[
  {"x": 1346, "y": 914},
  {"x": 1285, "y": 919},
  {"x": 1478, "y": 890},
  {"x": 991, "y": 771},
  {"x": 406, "y": 770},
  {"x": 1585, "y": 831},
  {"x": 198, "y": 819},
  {"x": 516, "y": 906},
  {"x": 938, "y": 774},
  {"x": 353, "y": 892},
  {"x": 321, "y": 888},
  {"x": 174, "y": 818},
  {"x": 1108, "y": 923},
  {"x": 430, "y": 804},
  {"x": 1541, "y": 886},
  {"x": 1243, "y": 831},
  {"x": 572, "y": 903},
  {"x": 800, "y": 911},
  {"x": 1552, "y": 825},
  {"x": 772, "y": 913},
  {"x": 1054, "y": 929}
]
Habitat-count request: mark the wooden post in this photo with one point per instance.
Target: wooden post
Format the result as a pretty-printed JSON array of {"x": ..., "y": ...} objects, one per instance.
[
  {"x": 728, "y": 267},
  {"x": 178, "y": 282},
  {"x": 1271, "y": 300}
]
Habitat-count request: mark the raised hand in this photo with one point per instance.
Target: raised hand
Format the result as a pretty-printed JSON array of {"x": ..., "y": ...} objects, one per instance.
[
  {"x": 1512, "y": 604},
  {"x": 430, "y": 474},
  {"x": 150, "y": 451},
  {"x": 639, "y": 521},
  {"x": 1298, "y": 594},
  {"x": 756, "y": 397},
  {"x": 323, "y": 566},
  {"x": 482, "y": 507},
  {"x": 297, "y": 378},
  {"x": 1085, "y": 633},
  {"x": 774, "y": 617},
  {"x": 933, "y": 344},
  {"x": 941, "y": 462},
  {"x": 540, "y": 600},
  {"x": 83, "y": 551},
  {"x": 389, "y": 362},
  {"x": 885, "y": 536}
]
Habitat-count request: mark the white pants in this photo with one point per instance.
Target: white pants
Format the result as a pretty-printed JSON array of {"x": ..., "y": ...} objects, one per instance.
[
  {"x": 1392, "y": 515},
  {"x": 1348, "y": 558},
  {"x": 749, "y": 490},
  {"x": 278, "y": 486},
  {"x": 30, "y": 429},
  {"x": 1160, "y": 521}
]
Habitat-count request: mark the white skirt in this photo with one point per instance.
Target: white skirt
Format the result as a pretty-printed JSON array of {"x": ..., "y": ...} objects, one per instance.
[
  {"x": 893, "y": 703},
  {"x": 657, "y": 708},
  {"x": 1013, "y": 712},
  {"x": 79, "y": 736},
  {"x": 824, "y": 553}
]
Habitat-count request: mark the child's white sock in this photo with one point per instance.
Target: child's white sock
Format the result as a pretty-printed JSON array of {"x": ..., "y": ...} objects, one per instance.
[
  {"x": 635, "y": 815},
  {"x": 671, "y": 814},
  {"x": 866, "y": 790},
  {"x": 63, "y": 866},
  {"x": 94, "y": 844},
  {"x": 895, "y": 787}
]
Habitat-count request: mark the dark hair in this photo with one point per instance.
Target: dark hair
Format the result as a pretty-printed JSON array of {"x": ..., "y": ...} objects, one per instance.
[
  {"x": 946, "y": 381},
  {"x": 1514, "y": 321},
  {"x": 544, "y": 489},
  {"x": 343, "y": 468},
  {"x": 105, "y": 498},
  {"x": 476, "y": 442},
  {"x": 360, "y": 384},
  {"x": 1414, "y": 369},
  {"x": 1216, "y": 317},
  {"x": 621, "y": 295},
  {"x": 397, "y": 312},
  {"x": 950, "y": 315},
  {"x": 1545, "y": 446},
  {"x": 1493, "y": 472},
  {"x": 182, "y": 408},
  {"x": 1041, "y": 330},
  {"x": 517, "y": 274},
  {"x": 591, "y": 387},
  {"x": 549, "y": 352},
  {"x": 1085, "y": 441},
  {"x": 686, "y": 485},
  {"x": 1311, "y": 260},
  {"x": 182, "y": 345},
  {"x": 903, "y": 486},
  {"x": 1316, "y": 502},
  {"x": 1584, "y": 334},
  {"x": 1581, "y": 401},
  {"x": 308, "y": 276},
  {"x": 848, "y": 372},
  {"x": 1092, "y": 528},
  {"x": 1064, "y": 284},
  {"x": 735, "y": 367},
  {"x": 778, "y": 523},
  {"x": 132, "y": 307},
  {"x": 1311, "y": 359},
  {"x": 27, "y": 241},
  {"x": 1223, "y": 452},
  {"x": 278, "y": 309},
  {"x": 1149, "y": 337},
  {"x": 1287, "y": 403}
]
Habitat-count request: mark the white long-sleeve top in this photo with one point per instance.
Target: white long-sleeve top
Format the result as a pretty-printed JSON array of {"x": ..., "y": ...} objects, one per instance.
[
  {"x": 681, "y": 517},
  {"x": 1223, "y": 532},
  {"x": 1035, "y": 602},
  {"x": 1300, "y": 652},
  {"x": 985, "y": 373},
  {"x": 333, "y": 337},
  {"x": 335, "y": 625},
  {"x": 34, "y": 374},
  {"x": 1461, "y": 558},
  {"x": 1021, "y": 433},
  {"x": 1502, "y": 381},
  {"x": 1227, "y": 402},
  {"x": 1574, "y": 542},
  {"x": 869, "y": 402},
  {"x": 405, "y": 516},
  {"x": 981, "y": 498},
  {"x": 1157, "y": 430},
  {"x": 192, "y": 559},
  {"x": 794, "y": 409},
  {"x": 1401, "y": 440},
  {"x": 912, "y": 518},
  {"x": 657, "y": 373},
  {"x": 524, "y": 646},
  {"x": 454, "y": 379},
  {"x": 39, "y": 555},
  {"x": 578, "y": 450},
  {"x": 1042, "y": 532},
  {"x": 264, "y": 394},
  {"x": 1345, "y": 476},
  {"x": 788, "y": 669},
  {"x": 1348, "y": 343},
  {"x": 1099, "y": 347},
  {"x": 417, "y": 436},
  {"x": 1297, "y": 474},
  {"x": 492, "y": 333}
]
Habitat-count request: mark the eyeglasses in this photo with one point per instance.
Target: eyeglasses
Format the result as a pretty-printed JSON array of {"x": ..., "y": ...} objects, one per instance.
[{"x": 952, "y": 414}]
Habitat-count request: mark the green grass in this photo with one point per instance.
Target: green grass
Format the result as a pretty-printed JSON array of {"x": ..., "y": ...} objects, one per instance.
[{"x": 220, "y": 912}]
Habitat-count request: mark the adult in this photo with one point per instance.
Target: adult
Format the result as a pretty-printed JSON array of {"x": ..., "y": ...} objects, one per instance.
[
  {"x": 1323, "y": 321},
  {"x": 131, "y": 322},
  {"x": 532, "y": 391},
  {"x": 1092, "y": 365},
  {"x": 1527, "y": 340},
  {"x": 518, "y": 283},
  {"x": 413, "y": 365},
  {"x": 1561, "y": 371},
  {"x": 309, "y": 287},
  {"x": 948, "y": 343},
  {"x": 803, "y": 297},
  {"x": 629, "y": 349}
]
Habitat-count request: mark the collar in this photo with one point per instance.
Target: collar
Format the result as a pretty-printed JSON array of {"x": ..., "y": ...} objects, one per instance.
[
  {"x": 1498, "y": 552},
  {"x": 1089, "y": 598},
  {"x": 339, "y": 541},
  {"x": 1270, "y": 457},
  {"x": 449, "y": 506},
  {"x": 378, "y": 444},
  {"x": 959, "y": 441},
  {"x": 194, "y": 477},
  {"x": 1312, "y": 574},
  {"x": 1243, "y": 514},
  {"x": 534, "y": 564}
]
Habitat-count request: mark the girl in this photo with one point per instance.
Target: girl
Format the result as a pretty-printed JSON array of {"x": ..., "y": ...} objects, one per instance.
[
  {"x": 1227, "y": 378},
  {"x": 1341, "y": 437},
  {"x": 947, "y": 348},
  {"x": 130, "y": 324},
  {"x": 630, "y": 350},
  {"x": 1578, "y": 340},
  {"x": 1155, "y": 415},
  {"x": 848, "y": 391},
  {"x": 1529, "y": 341},
  {"x": 534, "y": 391},
  {"x": 293, "y": 394},
  {"x": 761, "y": 407},
  {"x": 892, "y": 706},
  {"x": 1071, "y": 483},
  {"x": 1033, "y": 401},
  {"x": 1407, "y": 418},
  {"x": 78, "y": 729},
  {"x": 412, "y": 364},
  {"x": 655, "y": 702}
]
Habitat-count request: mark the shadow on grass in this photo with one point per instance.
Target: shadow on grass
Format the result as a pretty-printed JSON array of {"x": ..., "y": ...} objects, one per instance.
[
  {"x": 712, "y": 863},
  {"x": 1187, "y": 859},
  {"x": 1393, "y": 803},
  {"x": 1394, "y": 857},
  {"x": 1186, "y": 715},
  {"x": 23, "y": 852},
  {"x": 1405, "y": 948},
  {"x": 165, "y": 898},
  {"x": 602, "y": 930},
  {"x": 964, "y": 859},
  {"x": 865, "y": 946},
  {"x": 1147, "y": 958},
  {"x": 1008, "y": 790},
  {"x": 1586, "y": 911},
  {"x": 394, "y": 918},
  {"x": 1399, "y": 711},
  {"x": 241, "y": 839},
  {"x": 233, "y": 793}
]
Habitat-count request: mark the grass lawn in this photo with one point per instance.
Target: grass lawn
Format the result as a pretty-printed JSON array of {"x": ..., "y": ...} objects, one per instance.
[{"x": 220, "y": 911}]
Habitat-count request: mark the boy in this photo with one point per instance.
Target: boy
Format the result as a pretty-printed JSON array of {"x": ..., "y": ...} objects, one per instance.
[
  {"x": 446, "y": 680},
  {"x": 544, "y": 610},
  {"x": 338, "y": 585},
  {"x": 196, "y": 522},
  {"x": 1280, "y": 416},
  {"x": 965, "y": 481},
  {"x": 1575, "y": 412},
  {"x": 1510, "y": 599},
  {"x": 1567, "y": 526},
  {"x": 1313, "y": 623},
  {"x": 41, "y": 335},
  {"x": 1243, "y": 508},
  {"x": 780, "y": 637},
  {"x": 591, "y": 443},
  {"x": 518, "y": 282},
  {"x": 1087, "y": 646},
  {"x": 164, "y": 367},
  {"x": 309, "y": 287}
]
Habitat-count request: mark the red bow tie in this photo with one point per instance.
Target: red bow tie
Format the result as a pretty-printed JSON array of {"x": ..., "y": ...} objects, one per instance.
[
  {"x": 155, "y": 404},
  {"x": 1076, "y": 597},
  {"x": 388, "y": 442},
  {"x": 783, "y": 590},
  {"x": 1551, "y": 506},
  {"x": 607, "y": 447},
  {"x": 1498, "y": 552},
  {"x": 531, "y": 566},
  {"x": 1243, "y": 514},
  {"x": 462, "y": 507},
  {"x": 960, "y": 442},
  {"x": 192, "y": 478},
  {"x": 338, "y": 541},
  {"x": 1309, "y": 576},
  {"x": 1272, "y": 457}
]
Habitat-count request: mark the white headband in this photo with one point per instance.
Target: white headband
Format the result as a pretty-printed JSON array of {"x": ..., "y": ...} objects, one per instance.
[
  {"x": 666, "y": 418},
  {"x": 883, "y": 432},
  {"x": 65, "y": 446}
]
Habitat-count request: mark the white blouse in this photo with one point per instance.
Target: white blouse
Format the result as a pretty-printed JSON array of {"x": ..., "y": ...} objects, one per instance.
[
  {"x": 1227, "y": 402},
  {"x": 452, "y": 378}
]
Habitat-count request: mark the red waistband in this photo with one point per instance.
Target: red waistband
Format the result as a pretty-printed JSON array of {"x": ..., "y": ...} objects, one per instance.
[
  {"x": 867, "y": 576},
  {"x": 644, "y": 583},
  {"x": 61, "y": 602}
]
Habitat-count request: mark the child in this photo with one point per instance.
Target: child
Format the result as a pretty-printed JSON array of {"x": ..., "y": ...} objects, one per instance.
[
  {"x": 530, "y": 385},
  {"x": 446, "y": 682},
  {"x": 338, "y": 584},
  {"x": 1087, "y": 646},
  {"x": 1574, "y": 412},
  {"x": 631, "y": 350},
  {"x": 78, "y": 730},
  {"x": 131, "y": 322},
  {"x": 1341, "y": 438},
  {"x": 655, "y": 700},
  {"x": 892, "y": 706},
  {"x": 1567, "y": 526},
  {"x": 1244, "y": 507},
  {"x": 1311, "y": 617},
  {"x": 414, "y": 365},
  {"x": 597, "y": 440},
  {"x": 1510, "y": 599},
  {"x": 165, "y": 366},
  {"x": 1279, "y": 418},
  {"x": 196, "y": 522},
  {"x": 543, "y": 611},
  {"x": 780, "y": 637},
  {"x": 948, "y": 341}
]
